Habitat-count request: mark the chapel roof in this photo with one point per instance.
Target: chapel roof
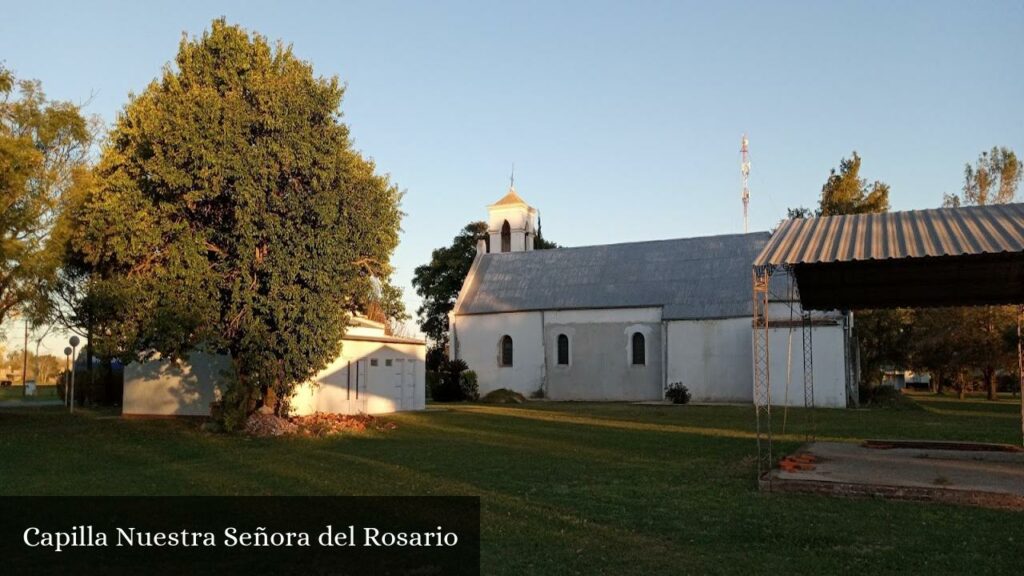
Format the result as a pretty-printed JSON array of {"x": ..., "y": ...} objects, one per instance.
[
  {"x": 688, "y": 278},
  {"x": 510, "y": 199}
]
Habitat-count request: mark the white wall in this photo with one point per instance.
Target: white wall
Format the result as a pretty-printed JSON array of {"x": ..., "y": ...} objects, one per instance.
[
  {"x": 714, "y": 359},
  {"x": 478, "y": 338},
  {"x": 600, "y": 354},
  {"x": 162, "y": 387},
  {"x": 352, "y": 384},
  {"x": 522, "y": 225},
  {"x": 187, "y": 388}
]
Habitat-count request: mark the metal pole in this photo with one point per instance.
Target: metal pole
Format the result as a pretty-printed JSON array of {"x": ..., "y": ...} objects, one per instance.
[
  {"x": 1020, "y": 371},
  {"x": 24, "y": 363},
  {"x": 67, "y": 375},
  {"x": 72, "y": 380}
]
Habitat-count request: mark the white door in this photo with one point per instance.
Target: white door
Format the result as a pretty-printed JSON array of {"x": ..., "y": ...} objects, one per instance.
[
  {"x": 409, "y": 386},
  {"x": 398, "y": 379}
]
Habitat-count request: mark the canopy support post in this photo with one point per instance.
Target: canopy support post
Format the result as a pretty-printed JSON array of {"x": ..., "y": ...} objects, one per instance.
[
  {"x": 762, "y": 376},
  {"x": 1020, "y": 371}
]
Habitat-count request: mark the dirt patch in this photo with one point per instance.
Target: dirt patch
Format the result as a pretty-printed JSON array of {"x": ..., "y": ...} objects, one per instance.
[{"x": 315, "y": 425}]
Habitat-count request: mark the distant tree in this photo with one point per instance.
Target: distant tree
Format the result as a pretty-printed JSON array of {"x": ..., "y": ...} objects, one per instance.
[
  {"x": 799, "y": 212},
  {"x": 882, "y": 334},
  {"x": 884, "y": 337},
  {"x": 42, "y": 142},
  {"x": 231, "y": 212},
  {"x": 539, "y": 242},
  {"x": 845, "y": 192},
  {"x": 438, "y": 282},
  {"x": 979, "y": 337}
]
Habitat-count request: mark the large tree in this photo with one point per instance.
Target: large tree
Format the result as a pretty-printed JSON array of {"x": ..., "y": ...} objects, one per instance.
[
  {"x": 230, "y": 211},
  {"x": 439, "y": 281},
  {"x": 42, "y": 143}
]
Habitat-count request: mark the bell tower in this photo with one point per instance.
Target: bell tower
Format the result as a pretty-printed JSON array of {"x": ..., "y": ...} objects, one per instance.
[{"x": 511, "y": 224}]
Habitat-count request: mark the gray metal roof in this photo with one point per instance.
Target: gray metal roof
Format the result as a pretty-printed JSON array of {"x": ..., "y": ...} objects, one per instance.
[
  {"x": 914, "y": 234},
  {"x": 689, "y": 278}
]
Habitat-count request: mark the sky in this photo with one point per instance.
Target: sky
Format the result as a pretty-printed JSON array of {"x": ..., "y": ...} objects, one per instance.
[{"x": 623, "y": 119}]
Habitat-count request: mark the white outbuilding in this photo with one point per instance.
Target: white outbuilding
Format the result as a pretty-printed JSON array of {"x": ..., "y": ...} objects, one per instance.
[
  {"x": 625, "y": 321},
  {"x": 375, "y": 373}
]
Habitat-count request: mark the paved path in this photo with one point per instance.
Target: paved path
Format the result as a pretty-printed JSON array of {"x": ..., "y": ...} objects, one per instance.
[{"x": 963, "y": 476}]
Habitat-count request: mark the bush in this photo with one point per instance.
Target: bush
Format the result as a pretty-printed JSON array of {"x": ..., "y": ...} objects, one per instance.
[
  {"x": 677, "y": 393},
  {"x": 503, "y": 396},
  {"x": 455, "y": 382},
  {"x": 469, "y": 386},
  {"x": 886, "y": 397},
  {"x": 433, "y": 381}
]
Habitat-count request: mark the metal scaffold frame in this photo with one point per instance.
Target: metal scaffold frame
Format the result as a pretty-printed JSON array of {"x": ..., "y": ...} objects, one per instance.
[
  {"x": 762, "y": 276},
  {"x": 762, "y": 376}
]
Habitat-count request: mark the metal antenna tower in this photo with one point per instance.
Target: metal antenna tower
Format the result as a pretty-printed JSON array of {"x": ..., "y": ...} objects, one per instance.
[{"x": 745, "y": 170}]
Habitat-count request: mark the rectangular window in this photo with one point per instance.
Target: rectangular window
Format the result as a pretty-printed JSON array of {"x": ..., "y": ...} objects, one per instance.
[
  {"x": 373, "y": 361},
  {"x": 387, "y": 362}
]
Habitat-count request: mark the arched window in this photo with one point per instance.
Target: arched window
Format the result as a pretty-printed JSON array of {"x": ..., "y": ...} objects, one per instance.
[
  {"x": 506, "y": 237},
  {"x": 506, "y": 350},
  {"x": 639, "y": 350},
  {"x": 563, "y": 350}
]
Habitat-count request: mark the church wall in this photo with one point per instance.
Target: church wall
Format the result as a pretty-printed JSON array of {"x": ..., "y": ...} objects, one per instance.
[
  {"x": 479, "y": 338},
  {"x": 714, "y": 359},
  {"x": 600, "y": 362}
]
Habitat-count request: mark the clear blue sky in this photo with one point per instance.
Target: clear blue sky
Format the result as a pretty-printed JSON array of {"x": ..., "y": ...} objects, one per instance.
[{"x": 623, "y": 119}]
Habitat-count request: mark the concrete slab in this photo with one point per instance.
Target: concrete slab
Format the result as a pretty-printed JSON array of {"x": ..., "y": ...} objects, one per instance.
[{"x": 983, "y": 475}]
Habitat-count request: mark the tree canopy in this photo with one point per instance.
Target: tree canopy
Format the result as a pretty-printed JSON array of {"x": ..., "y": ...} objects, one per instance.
[
  {"x": 439, "y": 281},
  {"x": 845, "y": 192},
  {"x": 42, "y": 143},
  {"x": 230, "y": 211}
]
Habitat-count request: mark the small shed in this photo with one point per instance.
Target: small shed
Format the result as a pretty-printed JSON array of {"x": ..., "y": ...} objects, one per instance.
[{"x": 375, "y": 373}]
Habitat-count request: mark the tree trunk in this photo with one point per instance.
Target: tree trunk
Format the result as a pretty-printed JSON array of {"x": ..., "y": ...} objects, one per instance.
[
  {"x": 88, "y": 364},
  {"x": 937, "y": 382},
  {"x": 991, "y": 384},
  {"x": 962, "y": 382}
]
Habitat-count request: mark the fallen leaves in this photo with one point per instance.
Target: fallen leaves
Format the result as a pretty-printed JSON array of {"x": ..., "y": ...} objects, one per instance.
[{"x": 317, "y": 425}]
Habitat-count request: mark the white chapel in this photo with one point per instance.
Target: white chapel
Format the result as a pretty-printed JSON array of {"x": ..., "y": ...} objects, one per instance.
[{"x": 624, "y": 321}]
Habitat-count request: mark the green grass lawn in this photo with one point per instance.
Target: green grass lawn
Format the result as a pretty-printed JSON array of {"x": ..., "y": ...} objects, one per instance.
[
  {"x": 566, "y": 488},
  {"x": 18, "y": 393}
]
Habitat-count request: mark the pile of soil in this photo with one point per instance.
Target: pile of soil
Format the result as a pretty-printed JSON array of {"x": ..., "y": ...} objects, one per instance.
[
  {"x": 264, "y": 425},
  {"x": 503, "y": 396}
]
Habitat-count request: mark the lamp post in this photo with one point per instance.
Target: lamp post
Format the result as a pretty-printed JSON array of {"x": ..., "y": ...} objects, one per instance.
[
  {"x": 74, "y": 344},
  {"x": 67, "y": 374}
]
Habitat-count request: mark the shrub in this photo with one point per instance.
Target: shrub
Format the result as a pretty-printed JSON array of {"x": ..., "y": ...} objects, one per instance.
[
  {"x": 433, "y": 381},
  {"x": 469, "y": 386},
  {"x": 503, "y": 396},
  {"x": 887, "y": 397},
  {"x": 677, "y": 393},
  {"x": 450, "y": 386}
]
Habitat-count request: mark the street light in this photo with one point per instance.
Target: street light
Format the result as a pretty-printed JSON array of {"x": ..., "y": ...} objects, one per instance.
[
  {"x": 74, "y": 344},
  {"x": 67, "y": 374}
]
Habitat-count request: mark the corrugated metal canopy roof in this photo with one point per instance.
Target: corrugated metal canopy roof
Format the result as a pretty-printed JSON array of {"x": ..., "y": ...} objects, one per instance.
[
  {"x": 912, "y": 234},
  {"x": 942, "y": 257},
  {"x": 689, "y": 278}
]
